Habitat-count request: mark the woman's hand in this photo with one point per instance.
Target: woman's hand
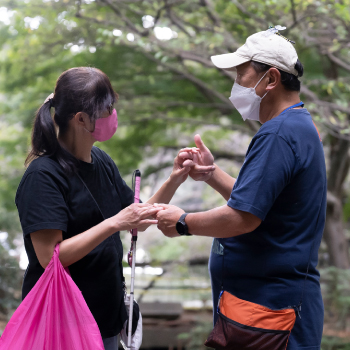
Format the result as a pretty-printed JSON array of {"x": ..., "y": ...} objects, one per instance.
[
  {"x": 135, "y": 216},
  {"x": 200, "y": 160},
  {"x": 180, "y": 173}
]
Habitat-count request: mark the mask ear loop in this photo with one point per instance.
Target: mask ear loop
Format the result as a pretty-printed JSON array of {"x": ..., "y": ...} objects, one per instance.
[{"x": 259, "y": 83}]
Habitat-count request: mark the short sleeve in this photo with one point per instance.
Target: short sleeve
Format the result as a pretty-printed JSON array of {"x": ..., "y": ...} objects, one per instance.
[
  {"x": 267, "y": 170},
  {"x": 41, "y": 203},
  {"x": 126, "y": 193}
]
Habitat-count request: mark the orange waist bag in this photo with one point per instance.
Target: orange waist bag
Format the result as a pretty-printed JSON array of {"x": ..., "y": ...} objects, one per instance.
[{"x": 243, "y": 325}]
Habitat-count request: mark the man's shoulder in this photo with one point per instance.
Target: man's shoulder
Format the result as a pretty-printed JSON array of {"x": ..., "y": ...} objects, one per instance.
[
  {"x": 292, "y": 125},
  {"x": 298, "y": 126}
]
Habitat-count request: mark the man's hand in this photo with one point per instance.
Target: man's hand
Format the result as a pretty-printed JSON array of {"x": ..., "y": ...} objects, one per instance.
[
  {"x": 187, "y": 160},
  {"x": 168, "y": 218},
  {"x": 201, "y": 163}
]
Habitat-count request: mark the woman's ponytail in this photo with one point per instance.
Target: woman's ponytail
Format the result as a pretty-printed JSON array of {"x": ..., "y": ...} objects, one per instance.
[{"x": 45, "y": 141}]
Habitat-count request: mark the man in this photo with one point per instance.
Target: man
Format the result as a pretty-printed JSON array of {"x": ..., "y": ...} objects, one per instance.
[{"x": 266, "y": 238}]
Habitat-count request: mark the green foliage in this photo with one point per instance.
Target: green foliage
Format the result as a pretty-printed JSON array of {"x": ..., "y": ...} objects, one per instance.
[
  {"x": 166, "y": 250},
  {"x": 196, "y": 337},
  {"x": 154, "y": 77},
  {"x": 346, "y": 210},
  {"x": 334, "y": 343},
  {"x": 10, "y": 282},
  {"x": 335, "y": 285}
]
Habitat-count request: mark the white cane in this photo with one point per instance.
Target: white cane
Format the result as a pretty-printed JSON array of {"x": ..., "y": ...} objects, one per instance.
[{"x": 133, "y": 259}]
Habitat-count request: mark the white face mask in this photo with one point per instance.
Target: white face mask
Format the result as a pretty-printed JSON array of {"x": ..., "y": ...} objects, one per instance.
[{"x": 246, "y": 101}]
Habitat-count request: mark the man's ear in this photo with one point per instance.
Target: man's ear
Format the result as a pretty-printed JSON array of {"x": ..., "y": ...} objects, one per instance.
[{"x": 274, "y": 78}]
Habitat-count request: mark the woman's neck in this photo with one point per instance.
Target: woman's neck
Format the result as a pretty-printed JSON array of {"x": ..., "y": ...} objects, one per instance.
[{"x": 77, "y": 145}]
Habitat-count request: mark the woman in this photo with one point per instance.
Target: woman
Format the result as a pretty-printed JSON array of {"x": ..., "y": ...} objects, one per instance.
[{"x": 73, "y": 194}]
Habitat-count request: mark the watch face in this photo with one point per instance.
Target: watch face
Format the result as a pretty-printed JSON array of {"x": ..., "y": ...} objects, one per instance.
[{"x": 180, "y": 227}]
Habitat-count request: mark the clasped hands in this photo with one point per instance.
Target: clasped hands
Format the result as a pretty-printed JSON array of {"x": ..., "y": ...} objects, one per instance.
[{"x": 198, "y": 163}]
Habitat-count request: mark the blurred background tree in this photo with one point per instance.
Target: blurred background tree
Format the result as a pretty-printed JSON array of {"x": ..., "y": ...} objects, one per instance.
[{"x": 157, "y": 55}]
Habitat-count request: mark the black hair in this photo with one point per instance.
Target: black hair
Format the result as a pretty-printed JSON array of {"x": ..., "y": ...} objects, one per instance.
[
  {"x": 81, "y": 89},
  {"x": 288, "y": 80}
]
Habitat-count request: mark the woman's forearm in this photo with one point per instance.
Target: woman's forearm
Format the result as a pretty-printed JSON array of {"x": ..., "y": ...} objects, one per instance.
[
  {"x": 165, "y": 193},
  {"x": 76, "y": 247},
  {"x": 221, "y": 182},
  {"x": 71, "y": 249}
]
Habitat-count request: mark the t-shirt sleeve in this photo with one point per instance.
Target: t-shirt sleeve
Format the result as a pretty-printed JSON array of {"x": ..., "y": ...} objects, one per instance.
[
  {"x": 268, "y": 168},
  {"x": 41, "y": 203},
  {"x": 126, "y": 193}
]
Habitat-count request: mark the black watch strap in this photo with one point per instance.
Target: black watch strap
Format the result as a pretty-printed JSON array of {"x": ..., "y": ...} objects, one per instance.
[{"x": 181, "y": 226}]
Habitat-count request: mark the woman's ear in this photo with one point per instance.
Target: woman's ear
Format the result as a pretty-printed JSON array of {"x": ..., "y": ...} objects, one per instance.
[
  {"x": 274, "y": 78},
  {"x": 79, "y": 118},
  {"x": 82, "y": 119}
]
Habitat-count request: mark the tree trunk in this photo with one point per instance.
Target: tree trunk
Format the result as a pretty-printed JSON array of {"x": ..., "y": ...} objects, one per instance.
[{"x": 334, "y": 236}]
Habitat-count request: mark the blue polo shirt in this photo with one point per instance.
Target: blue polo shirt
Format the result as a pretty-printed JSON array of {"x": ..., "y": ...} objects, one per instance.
[{"x": 282, "y": 182}]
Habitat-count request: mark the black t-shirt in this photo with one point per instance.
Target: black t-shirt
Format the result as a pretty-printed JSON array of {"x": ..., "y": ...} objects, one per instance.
[{"x": 47, "y": 198}]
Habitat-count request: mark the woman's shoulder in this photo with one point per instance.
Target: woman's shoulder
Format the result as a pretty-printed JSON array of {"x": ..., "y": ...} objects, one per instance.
[
  {"x": 101, "y": 154},
  {"x": 107, "y": 160},
  {"x": 44, "y": 169},
  {"x": 46, "y": 165},
  {"x": 104, "y": 157}
]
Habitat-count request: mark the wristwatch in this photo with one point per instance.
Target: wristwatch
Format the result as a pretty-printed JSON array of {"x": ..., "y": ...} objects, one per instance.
[{"x": 181, "y": 226}]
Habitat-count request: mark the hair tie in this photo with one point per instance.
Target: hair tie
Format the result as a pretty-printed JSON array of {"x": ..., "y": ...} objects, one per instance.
[{"x": 50, "y": 100}]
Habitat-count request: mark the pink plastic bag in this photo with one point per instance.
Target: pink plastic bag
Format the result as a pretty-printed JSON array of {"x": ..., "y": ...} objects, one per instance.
[{"x": 53, "y": 316}]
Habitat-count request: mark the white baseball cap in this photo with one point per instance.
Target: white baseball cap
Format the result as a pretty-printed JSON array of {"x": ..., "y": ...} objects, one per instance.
[{"x": 268, "y": 47}]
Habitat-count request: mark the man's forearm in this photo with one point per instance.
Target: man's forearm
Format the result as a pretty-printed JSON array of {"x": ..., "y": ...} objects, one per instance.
[
  {"x": 221, "y": 182},
  {"x": 221, "y": 222}
]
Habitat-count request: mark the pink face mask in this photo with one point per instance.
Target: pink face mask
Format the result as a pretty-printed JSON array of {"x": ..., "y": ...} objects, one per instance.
[{"x": 105, "y": 128}]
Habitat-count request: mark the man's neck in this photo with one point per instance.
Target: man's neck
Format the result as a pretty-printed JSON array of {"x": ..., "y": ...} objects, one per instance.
[{"x": 275, "y": 105}]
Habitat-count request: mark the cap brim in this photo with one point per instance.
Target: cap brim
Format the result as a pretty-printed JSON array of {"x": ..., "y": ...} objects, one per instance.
[{"x": 228, "y": 60}]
